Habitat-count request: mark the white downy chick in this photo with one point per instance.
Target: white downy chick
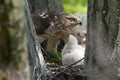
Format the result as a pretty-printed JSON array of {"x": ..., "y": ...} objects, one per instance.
[{"x": 72, "y": 52}]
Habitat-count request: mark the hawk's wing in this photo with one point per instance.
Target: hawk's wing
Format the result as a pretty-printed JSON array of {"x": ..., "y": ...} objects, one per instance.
[{"x": 51, "y": 23}]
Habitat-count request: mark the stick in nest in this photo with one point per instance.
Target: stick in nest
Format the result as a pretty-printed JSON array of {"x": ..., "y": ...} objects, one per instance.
[{"x": 65, "y": 69}]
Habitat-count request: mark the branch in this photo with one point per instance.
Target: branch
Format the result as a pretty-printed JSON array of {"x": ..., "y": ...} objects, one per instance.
[{"x": 66, "y": 68}]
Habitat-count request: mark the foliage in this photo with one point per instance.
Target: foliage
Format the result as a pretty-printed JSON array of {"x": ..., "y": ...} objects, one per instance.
[
  {"x": 75, "y": 6},
  {"x": 55, "y": 57}
]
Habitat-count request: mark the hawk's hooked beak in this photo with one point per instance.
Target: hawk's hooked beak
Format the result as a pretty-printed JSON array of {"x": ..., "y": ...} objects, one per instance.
[{"x": 79, "y": 21}]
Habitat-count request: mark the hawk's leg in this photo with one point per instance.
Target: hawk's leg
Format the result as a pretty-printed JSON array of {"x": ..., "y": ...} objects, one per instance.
[{"x": 52, "y": 46}]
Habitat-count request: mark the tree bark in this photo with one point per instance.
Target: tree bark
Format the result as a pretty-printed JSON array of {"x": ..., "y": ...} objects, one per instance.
[
  {"x": 37, "y": 63},
  {"x": 55, "y": 5},
  {"x": 42, "y": 5},
  {"x": 13, "y": 41},
  {"x": 102, "y": 36},
  {"x": 38, "y": 5}
]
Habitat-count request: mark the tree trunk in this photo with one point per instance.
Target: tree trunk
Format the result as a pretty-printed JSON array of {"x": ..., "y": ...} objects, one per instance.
[
  {"x": 55, "y": 5},
  {"x": 102, "y": 54},
  {"x": 13, "y": 42},
  {"x": 37, "y": 5},
  {"x": 37, "y": 63}
]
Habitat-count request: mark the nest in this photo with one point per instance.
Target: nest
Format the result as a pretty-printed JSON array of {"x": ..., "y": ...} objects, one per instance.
[{"x": 70, "y": 72}]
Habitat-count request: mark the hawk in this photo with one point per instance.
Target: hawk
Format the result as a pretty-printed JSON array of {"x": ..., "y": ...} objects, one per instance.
[{"x": 53, "y": 24}]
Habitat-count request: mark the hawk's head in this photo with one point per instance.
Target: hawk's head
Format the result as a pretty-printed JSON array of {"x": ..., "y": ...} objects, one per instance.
[{"x": 52, "y": 23}]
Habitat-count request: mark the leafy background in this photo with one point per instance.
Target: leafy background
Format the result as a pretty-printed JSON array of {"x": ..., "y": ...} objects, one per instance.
[{"x": 75, "y": 6}]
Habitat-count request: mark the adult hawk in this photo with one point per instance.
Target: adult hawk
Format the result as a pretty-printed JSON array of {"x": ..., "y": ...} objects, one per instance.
[{"x": 53, "y": 24}]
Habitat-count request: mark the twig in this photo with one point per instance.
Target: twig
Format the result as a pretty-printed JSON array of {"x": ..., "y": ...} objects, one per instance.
[{"x": 66, "y": 68}]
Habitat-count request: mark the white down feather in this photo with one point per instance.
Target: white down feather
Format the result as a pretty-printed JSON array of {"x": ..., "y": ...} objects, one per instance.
[{"x": 72, "y": 52}]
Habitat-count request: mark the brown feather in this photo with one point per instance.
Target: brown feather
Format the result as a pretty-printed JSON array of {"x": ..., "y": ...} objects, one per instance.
[{"x": 54, "y": 24}]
